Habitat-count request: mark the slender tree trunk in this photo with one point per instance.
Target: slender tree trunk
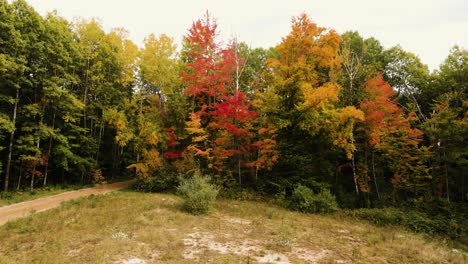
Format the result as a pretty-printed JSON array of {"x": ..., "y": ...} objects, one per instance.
[
  {"x": 49, "y": 150},
  {"x": 85, "y": 96},
  {"x": 114, "y": 158},
  {"x": 354, "y": 168},
  {"x": 256, "y": 166},
  {"x": 237, "y": 111},
  {"x": 101, "y": 130},
  {"x": 19, "y": 179},
  {"x": 446, "y": 177},
  {"x": 375, "y": 178},
  {"x": 10, "y": 145},
  {"x": 462, "y": 186},
  {"x": 137, "y": 160},
  {"x": 239, "y": 171},
  {"x": 354, "y": 176},
  {"x": 34, "y": 168},
  {"x": 91, "y": 127}
]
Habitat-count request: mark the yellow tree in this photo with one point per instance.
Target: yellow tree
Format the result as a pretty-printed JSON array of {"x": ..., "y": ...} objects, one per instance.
[{"x": 304, "y": 93}]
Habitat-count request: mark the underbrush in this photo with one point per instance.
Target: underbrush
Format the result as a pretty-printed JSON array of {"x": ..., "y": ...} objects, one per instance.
[
  {"x": 163, "y": 181},
  {"x": 436, "y": 221},
  {"x": 303, "y": 199}
]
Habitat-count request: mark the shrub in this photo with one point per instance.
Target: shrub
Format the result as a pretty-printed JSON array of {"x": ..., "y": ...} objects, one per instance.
[
  {"x": 198, "y": 194},
  {"x": 382, "y": 217},
  {"x": 304, "y": 200},
  {"x": 454, "y": 227},
  {"x": 97, "y": 175},
  {"x": 163, "y": 181},
  {"x": 325, "y": 202}
]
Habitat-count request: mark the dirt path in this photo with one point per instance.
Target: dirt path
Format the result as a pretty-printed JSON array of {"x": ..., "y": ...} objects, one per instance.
[{"x": 22, "y": 209}]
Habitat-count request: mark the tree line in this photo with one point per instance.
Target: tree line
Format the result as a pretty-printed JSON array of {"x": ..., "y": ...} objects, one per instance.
[{"x": 324, "y": 110}]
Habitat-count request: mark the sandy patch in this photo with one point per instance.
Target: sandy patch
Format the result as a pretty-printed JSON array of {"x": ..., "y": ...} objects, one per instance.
[
  {"x": 133, "y": 260},
  {"x": 274, "y": 258},
  {"x": 73, "y": 252},
  {"x": 196, "y": 243},
  {"x": 199, "y": 241},
  {"x": 310, "y": 256},
  {"x": 237, "y": 221},
  {"x": 120, "y": 236}
]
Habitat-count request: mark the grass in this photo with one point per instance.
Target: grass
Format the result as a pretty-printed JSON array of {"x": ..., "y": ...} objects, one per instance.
[
  {"x": 127, "y": 225},
  {"x": 7, "y": 198}
]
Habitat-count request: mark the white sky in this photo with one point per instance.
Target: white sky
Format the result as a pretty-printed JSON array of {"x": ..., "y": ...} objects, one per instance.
[{"x": 428, "y": 28}]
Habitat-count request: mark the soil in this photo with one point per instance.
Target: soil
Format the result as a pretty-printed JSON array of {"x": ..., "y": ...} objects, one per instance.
[{"x": 22, "y": 209}]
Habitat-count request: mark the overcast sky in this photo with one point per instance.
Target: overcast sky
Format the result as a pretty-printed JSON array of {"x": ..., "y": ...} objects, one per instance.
[{"x": 428, "y": 28}]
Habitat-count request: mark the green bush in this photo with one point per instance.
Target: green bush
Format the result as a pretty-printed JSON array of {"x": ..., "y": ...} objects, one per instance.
[
  {"x": 382, "y": 217},
  {"x": 163, "y": 181},
  {"x": 198, "y": 194},
  {"x": 325, "y": 202},
  {"x": 304, "y": 200},
  {"x": 418, "y": 221}
]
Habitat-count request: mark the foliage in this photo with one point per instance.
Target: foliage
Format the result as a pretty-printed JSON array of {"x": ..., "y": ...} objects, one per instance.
[
  {"x": 303, "y": 199},
  {"x": 199, "y": 196},
  {"x": 80, "y": 103},
  {"x": 438, "y": 220},
  {"x": 164, "y": 180}
]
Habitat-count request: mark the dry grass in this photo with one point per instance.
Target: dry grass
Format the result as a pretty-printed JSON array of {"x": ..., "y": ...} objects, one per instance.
[{"x": 129, "y": 227}]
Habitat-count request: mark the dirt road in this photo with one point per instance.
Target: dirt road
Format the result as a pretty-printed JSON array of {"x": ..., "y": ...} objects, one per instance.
[{"x": 22, "y": 209}]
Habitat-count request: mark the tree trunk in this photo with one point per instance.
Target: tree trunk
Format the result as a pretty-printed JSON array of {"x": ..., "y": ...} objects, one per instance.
[
  {"x": 354, "y": 176},
  {"x": 10, "y": 145},
  {"x": 19, "y": 179},
  {"x": 101, "y": 130},
  {"x": 85, "y": 96},
  {"x": 256, "y": 166},
  {"x": 239, "y": 171},
  {"x": 354, "y": 169},
  {"x": 34, "y": 168},
  {"x": 48, "y": 153},
  {"x": 375, "y": 178},
  {"x": 446, "y": 177},
  {"x": 462, "y": 187}
]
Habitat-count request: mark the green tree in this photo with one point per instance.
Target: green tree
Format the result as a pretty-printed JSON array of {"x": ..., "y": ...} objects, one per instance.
[
  {"x": 447, "y": 126},
  {"x": 410, "y": 77},
  {"x": 362, "y": 59}
]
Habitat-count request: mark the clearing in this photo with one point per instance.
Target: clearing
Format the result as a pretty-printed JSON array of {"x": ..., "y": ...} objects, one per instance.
[{"x": 131, "y": 227}]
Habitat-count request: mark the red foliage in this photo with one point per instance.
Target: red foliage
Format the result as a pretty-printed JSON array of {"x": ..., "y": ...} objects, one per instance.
[
  {"x": 390, "y": 132},
  {"x": 171, "y": 143},
  {"x": 209, "y": 68}
]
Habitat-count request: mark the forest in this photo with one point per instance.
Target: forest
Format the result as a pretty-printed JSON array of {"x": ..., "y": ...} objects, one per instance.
[{"x": 335, "y": 114}]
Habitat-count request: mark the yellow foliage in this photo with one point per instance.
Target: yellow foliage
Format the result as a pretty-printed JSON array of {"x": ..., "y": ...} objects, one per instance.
[
  {"x": 194, "y": 125},
  {"x": 351, "y": 113},
  {"x": 321, "y": 96},
  {"x": 305, "y": 50},
  {"x": 120, "y": 124},
  {"x": 152, "y": 138},
  {"x": 142, "y": 170},
  {"x": 153, "y": 159},
  {"x": 199, "y": 152},
  {"x": 122, "y": 138},
  {"x": 186, "y": 163},
  {"x": 68, "y": 118},
  {"x": 199, "y": 138}
]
